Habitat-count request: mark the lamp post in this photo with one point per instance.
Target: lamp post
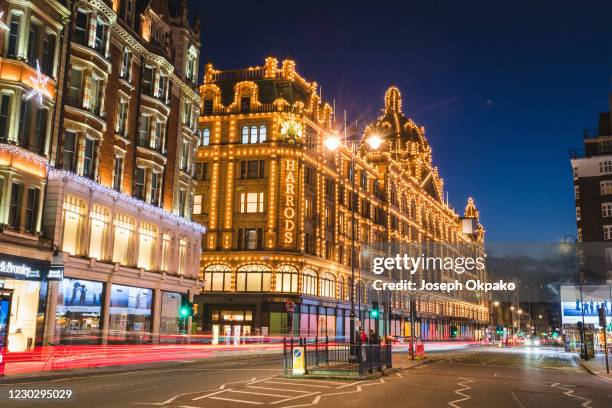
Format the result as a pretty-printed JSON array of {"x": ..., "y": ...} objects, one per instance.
[
  {"x": 332, "y": 142},
  {"x": 583, "y": 348}
]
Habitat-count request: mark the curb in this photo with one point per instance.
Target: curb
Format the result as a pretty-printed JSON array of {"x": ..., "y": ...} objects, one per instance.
[{"x": 373, "y": 375}]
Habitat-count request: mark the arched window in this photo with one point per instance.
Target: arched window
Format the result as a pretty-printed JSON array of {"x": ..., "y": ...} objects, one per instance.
[
  {"x": 253, "y": 134},
  {"x": 245, "y": 134},
  {"x": 328, "y": 285},
  {"x": 254, "y": 278},
  {"x": 263, "y": 132},
  {"x": 75, "y": 213},
  {"x": 286, "y": 279},
  {"x": 217, "y": 278},
  {"x": 309, "y": 282}
]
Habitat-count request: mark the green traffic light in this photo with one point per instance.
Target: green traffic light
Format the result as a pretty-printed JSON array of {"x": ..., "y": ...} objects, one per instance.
[
  {"x": 374, "y": 313},
  {"x": 184, "y": 312}
]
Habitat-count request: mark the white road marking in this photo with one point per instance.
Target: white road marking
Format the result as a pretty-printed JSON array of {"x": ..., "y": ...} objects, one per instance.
[
  {"x": 211, "y": 394},
  {"x": 261, "y": 393},
  {"x": 465, "y": 387},
  {"x": 303, "y": 385},
  {"x": 570, "y": 393},
  {"x": 314, "y": 402},
  {"x": 277, "y": 389},
  {"x": 237, "y": 400},
  {"x": 292, "y": 398},
  {"x": 515, "y": 398}
]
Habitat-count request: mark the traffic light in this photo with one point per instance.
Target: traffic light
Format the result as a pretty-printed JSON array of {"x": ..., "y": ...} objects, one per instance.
[
  {"x": 453, "y": 331},
  {"x": 374, "y": 313},
  {"x": 499, "y": 330},
  {"x": 186, "y": 308}
]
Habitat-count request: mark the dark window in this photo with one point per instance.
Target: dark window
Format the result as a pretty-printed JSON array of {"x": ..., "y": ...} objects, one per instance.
[
  {"x": 329, "y": 187},
  {"x": 88, "y": 158},
  {"x": 309, "y": 176},
  {"x": 68, "y": 151},
  {"x": 31, "y": 211},
  {"x": 117, "y": 173},
  {"x": 75, "y": 87},
  {"x": 245, "y": 104},
  {"x": 139, "y": 183},
  {"x": 13, "y": 36},
  {"x": 208, "y": 106},
  {"x": 15, "y": 206},
  {"x": 24, "y": 123},
  {"x": 80, "y": 28},
  {"x": 147, "y": 81},
  {"x": 33, "y": 43},
  {"x": 250, "y": 239},
  {"x": 4, "y": 116},
  {"x": 155, "y": 188},
  {"x": 201, "y": 171},
  {"x": 252, "y": 169},
  {"x": 182, "y": 202},
  {"x": 48, "y": 54},
  {"x": 100, "y": 42},
  {"x": 40, "y": 131}
]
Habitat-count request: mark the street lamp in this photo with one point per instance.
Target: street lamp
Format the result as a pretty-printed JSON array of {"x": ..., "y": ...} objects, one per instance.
[{"x": 333, "y": 142}]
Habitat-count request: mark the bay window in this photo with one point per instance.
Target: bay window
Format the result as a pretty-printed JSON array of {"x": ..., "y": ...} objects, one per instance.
[{"x": 14, "y": 30}]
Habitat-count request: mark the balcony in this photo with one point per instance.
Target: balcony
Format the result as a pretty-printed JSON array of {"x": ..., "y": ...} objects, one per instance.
[{"x": 77, "y": 102}]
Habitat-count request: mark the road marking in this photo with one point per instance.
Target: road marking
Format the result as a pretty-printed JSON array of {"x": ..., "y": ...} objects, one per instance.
[
  {"x": 262, "y": 393},
  {"x": 237, "y": 400},
  {"x": 350, "y": 385},
  {"x": 570, "y": 393},
  {"x": 277, "y": 389},
  {"x": 515, "y": 398},
  {"x": 465, "y": 387},
  {"x": 303, "y": 385},
  {"x": 314, "y": 402},
  {"x": 292, "y": 398},
  {"x": 211, "y": 394},
  {"x": 309, "y": 380}
]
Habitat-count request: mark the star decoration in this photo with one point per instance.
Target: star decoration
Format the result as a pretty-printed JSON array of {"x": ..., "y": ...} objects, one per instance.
[
  {"x": 39, "y": 85},
  {"x": 3, "y": 26}
]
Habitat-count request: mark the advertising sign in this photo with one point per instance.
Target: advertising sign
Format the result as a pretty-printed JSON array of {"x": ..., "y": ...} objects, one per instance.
[
  {"x": 574, "y": 305},
  {"x": 298, "y": 365}
]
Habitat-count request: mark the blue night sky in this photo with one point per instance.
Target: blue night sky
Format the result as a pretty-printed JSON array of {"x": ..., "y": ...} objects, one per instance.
[{"x": 504, "y": 90}]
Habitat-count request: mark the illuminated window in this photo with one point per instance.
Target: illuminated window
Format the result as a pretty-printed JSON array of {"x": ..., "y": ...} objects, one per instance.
[
  {"x": 309, "y": 282},
  {"x": 252, "y": 202},
  {"x": 606, "y": 209},
  {"x": 99, "y": 229},
  {"x": 74, "y": 224},
  {"x": 262, "y": 133},
  {"x": 197, "y": 204},
  {"x": 123, "y": 245},
  {"x": 183, "y": 256},
  {"x": 253, "y": 278},
  {"x": 286, "y": 279},
  {"x": 217, "y": 278},
  {"x": 605, "y": 167},
  {"x": 205, "y": 140},
  {"x": 578, "y": 217},
  {"x": 146, "y": 246},
  {"x": 328, "y": 285},
  {"x": 166, "y": 253},
  {"x": 605, "y": 187},
  {"x": 607, "y": 230},
  {"x": 250, "y": 239},
  {"x": 254, "y": 134}
]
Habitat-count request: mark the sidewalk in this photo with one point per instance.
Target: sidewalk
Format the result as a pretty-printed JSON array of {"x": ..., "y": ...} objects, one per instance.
[{"x": 597, "y": 365}]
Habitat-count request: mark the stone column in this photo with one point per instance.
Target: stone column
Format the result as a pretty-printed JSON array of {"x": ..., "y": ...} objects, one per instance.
[
  {"x": 156, "y": 314},
  {"x": 105, "y": 312}
]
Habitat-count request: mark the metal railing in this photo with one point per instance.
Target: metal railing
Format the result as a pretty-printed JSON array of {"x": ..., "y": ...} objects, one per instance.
[{"x": 340, "y": 358}]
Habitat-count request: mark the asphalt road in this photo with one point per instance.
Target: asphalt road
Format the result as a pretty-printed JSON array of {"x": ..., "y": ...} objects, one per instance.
[{"x": 485, "y": 377}]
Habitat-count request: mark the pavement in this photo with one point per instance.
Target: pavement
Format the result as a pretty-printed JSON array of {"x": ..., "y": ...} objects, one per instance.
[
  {"x": 462, "y": 377},
  {"x": 597, "y": 365}
]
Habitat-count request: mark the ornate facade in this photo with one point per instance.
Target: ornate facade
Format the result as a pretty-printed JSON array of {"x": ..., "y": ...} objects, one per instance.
[
  {"x": 277, "y": 206},
  {"x": 101, "y": 122}
]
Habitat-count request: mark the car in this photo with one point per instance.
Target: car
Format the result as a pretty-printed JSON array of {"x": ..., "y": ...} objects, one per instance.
[{"x": 533, "y": 342}]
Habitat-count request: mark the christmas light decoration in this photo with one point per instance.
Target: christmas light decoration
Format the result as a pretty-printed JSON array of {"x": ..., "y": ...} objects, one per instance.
[{"x": 39, "y": 85}]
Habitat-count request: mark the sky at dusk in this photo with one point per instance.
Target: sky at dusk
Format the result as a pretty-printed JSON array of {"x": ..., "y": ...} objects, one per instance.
[{"x": 504, "y": 90}]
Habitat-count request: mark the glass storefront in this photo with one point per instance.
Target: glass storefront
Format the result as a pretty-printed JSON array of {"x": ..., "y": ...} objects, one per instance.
[
  {"x": 169, "y": 323},
  {"x": 78, "y": 312},
  {"x": 130, "y": 314}
]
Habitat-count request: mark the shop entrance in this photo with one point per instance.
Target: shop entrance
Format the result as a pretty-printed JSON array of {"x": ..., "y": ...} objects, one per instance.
[{"x": 5, "y": 317}]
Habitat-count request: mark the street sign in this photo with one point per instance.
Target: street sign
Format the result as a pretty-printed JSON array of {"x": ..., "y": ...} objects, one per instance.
[
  {"x": 298, "y": 361},
  {"x": 290, "y": 306}
]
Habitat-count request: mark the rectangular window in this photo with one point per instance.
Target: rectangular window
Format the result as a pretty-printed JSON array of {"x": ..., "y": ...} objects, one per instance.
[
  {"x": 122, "y": 111},
  {"x": 48, "y": 59},
  {"x": 252, "y": 169},
  {"x": 118, "y": 173},
  {"x": 24, "y": 123},
  {"x": 13, "y": 36},
  {"x": 95, "y": 95},
  {"x": 182, "y": 202},
  {"x": 605, "y": 187},
  {"x": 208, "y": 107},
  {"x": 606, "y": 209},
  {"x": 197, "y": 204},
  {"x": 126, "y": 63},
  {"x": 139, "y": 183},
  {"x": 155, "y": 179},
  {"x": 201, "y": 171},
  {"x": 146, "y": 246},
  {"x": 68, "y": 151},
  {"x": 251, "y": 203},
  {"x": 31, "y": 210},
  {"x": 100, "y": 40},
  {"x": 33, "y": 43},
  {"x": 577, "y": 192},
  {"x": 143, "y": 131},
  {"x": 185, "y": 156},
  {"x": 578, "y": 218},
  {"x": 81, "y": 27},
  {"x": 98, "y": 235},
  {"x": 40, "y": 131},
  {"x": 607, "y": 230},
  {"x": 605, "y": 166},
  {"x": 14, "y": 218},
  {"x": 88, "y": 158},
  {"x": 75, "y": 87},
  {"x": 245, "y": 104},
  {"x": 205, "y": 138},
  {"x": 250, "y": 238},
  {"x": 147, "y": 81},
  {"x": 123, "y": 239},
  {"x": 608, "y": 254},
  {"x": 5, "y": 103}
]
